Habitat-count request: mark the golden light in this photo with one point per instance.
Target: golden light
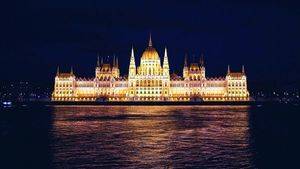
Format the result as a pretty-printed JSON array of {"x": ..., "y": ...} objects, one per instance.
[{"x": 150, "y": 81}]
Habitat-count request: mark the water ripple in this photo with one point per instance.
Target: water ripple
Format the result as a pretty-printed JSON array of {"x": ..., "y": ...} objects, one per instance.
[{"x": 151, "y": 137}]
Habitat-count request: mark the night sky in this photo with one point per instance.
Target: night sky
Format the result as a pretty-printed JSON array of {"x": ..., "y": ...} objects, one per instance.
[{"x": 37, "y": 36}]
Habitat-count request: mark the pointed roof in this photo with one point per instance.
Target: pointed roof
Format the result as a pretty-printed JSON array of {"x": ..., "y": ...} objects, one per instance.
[
  {"x": 185, "y": 60},
  {"x": 235, "y": 74},
  {"x": 114, "y": 61},
  {"x": 166, "y": 62},
  {"x": 166, "y": 52},
  {"x": 117, "y": 62},
  {"x": 228, "y": 69},
  {"x": 202, "y": 59},
  {"x": 243, "y": 69},
  {"x": 150, "y": 52},
  {"x": 98, "y": 61},
  {"x": 132, "y": 60}
]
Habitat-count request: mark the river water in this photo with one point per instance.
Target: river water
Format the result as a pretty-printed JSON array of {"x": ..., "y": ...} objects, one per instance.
[{"x": 149, "y": 136}]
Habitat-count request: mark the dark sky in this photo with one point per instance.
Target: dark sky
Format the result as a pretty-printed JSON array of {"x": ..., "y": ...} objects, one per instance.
[{"x": 37, "y": 36}]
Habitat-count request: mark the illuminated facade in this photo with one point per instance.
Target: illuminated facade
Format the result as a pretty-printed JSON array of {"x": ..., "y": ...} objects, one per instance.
[{"x": 151, "y": 81}]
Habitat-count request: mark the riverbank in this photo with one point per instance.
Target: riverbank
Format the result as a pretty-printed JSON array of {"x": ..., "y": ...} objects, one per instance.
[{"x": 143, "y": 103}]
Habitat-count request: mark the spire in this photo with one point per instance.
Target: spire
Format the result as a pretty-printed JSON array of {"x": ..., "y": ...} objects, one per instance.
[
  {"x": 98, "y": 62},
  {"x": 72, "y": 73},
  {"x": 57, "y": 71},
  {"x": 202, "y": 60},
  {"x": 243, "y": 69},
  {"x": 132, "y": 60},
  {"x": 150, "y": 40},
  {"x": 166, "y": 62},
  {"x": 101, "y": 60},
  {"x": 117, "y": 62},
  {"x": 228, "y": 69},
  {"x": 166, "y": 52},
  {"x": 185, "y": 61},
  {"x": 114, "y": 61},
  {"x": 107, "y": 59}
]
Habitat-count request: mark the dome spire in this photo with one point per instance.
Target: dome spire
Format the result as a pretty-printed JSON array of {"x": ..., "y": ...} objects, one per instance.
[{"x": 150, "y": 40}]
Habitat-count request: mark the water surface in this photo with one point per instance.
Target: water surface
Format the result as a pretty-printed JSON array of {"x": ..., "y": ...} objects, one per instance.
[{"x": 148, "y": 136}]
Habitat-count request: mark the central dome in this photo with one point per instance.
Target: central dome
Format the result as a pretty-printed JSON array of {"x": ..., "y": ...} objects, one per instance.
[{"x": 150, "y": 52}]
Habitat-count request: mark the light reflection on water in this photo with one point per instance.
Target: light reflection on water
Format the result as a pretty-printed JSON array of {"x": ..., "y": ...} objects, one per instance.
[{"x": 151, "y": 137}]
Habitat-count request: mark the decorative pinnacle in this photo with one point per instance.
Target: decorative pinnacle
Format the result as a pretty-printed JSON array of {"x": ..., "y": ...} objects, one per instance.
[
  {"x": 166, "y": 52},
  {"x": 114, "y": 61},
  {"x": 117, "y": 62},
  {"x": 166, "y": 62},
  {"x": 150, "y": 40},
  {"x": 185, "y": 60},
  {"x": 243, "y": 69},
  {"x": 72, "y": 70},
  {"x": 202, "y": 60},
  {"x": 57, "y": 71},
  {"x": 132, "y": 52},
  {"x": 98, "y": 61},
  {"x": 132, "y": 61},
  {"x": 228, "y": 69}
]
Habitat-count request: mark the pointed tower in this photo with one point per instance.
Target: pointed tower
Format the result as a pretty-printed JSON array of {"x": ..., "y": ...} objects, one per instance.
[
  {"x": 166, "y": 73},
  {"x": 228, "y": 70},
  {"x": 71, "y": 72},
  {"x": 117, "y": 62},
  {"x": 98, "y": 61},
  {"x": 115, "y": 69},
  {"x": 166, "y": 68},
  {"x": 202, "y": 67},
  {"x": 113, "y": 64},
  {"x": 98, "y": 67},
  {"x": 131, "y": 76},
  {"x": 150, "y": 41},
  {"x": 202, "y": 60},
  {"x": 57, "y": 71},
  {"x": 132, "y": 68},
  {"x": 243, "y": 69},
  {"x": 185, "y": 68},
  {"x": 185, "y": 60}
]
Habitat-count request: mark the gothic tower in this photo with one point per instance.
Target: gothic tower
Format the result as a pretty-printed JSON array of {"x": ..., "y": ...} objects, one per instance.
[
  {"x": 185, "y": 68},
  {"x": 202, "y": 66},
  {"x": 166, "y": 68},
  {"x": 115, "y": 68}
]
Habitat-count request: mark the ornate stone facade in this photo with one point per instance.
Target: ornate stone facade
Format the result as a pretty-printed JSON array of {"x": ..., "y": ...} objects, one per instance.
[{"x": 151, "y": 81}]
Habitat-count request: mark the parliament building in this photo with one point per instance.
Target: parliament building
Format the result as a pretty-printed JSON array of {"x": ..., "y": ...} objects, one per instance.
[{"x": 150, "y": 81}]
